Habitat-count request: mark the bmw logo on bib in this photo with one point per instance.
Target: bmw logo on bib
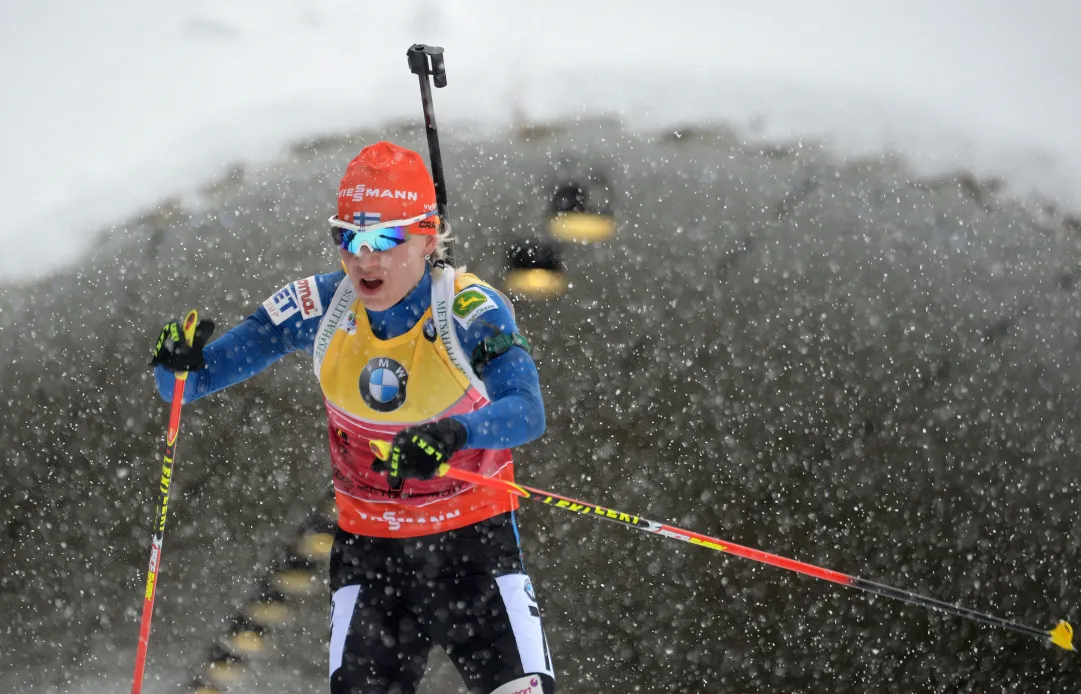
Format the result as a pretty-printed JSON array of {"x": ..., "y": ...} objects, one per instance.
[{"x": 382, "y": 384}]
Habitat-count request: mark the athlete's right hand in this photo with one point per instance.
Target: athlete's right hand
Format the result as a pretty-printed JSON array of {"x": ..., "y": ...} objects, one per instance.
[{"x": 174, "y": 353}]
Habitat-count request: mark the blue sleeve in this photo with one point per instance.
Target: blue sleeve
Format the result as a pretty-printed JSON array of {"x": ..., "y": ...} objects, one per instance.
[
  {"x": 286, "y": 322},
  {"x": 515, "y": 413}
]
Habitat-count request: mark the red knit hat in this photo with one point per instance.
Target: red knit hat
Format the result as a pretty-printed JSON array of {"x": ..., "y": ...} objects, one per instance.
[{"x": 386, "y": 183}]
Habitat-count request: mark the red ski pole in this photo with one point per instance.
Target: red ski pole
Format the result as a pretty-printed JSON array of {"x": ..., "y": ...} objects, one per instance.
[
  {"x": 1061, "y": 635},
  {"x": 190, "y": 323}
]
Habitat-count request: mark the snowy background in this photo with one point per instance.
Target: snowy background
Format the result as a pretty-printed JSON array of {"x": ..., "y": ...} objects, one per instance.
[{"x": 113, "y": 105}]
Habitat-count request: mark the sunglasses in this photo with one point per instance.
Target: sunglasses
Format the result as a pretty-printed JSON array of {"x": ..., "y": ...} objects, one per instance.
[{"x": 379, "y": 237}]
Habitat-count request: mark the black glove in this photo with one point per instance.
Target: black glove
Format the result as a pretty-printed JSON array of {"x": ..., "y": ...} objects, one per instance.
[
  {"x": 420, "y": 452},
  {"x": 172, "y": 352}
]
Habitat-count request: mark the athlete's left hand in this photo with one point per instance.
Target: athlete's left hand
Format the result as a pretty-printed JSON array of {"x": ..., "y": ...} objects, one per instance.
[{"x": 422, "y": 452}]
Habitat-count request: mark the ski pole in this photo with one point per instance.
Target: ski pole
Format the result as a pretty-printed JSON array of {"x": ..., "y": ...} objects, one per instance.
[
  {"x": 418, "y": 56},
  {"x": 1061, "y": 635},
  {"x": 190, "y": 322}
]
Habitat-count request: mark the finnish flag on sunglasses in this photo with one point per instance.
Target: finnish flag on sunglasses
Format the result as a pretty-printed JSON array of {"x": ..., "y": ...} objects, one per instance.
[{"x": 363, "y": 219}]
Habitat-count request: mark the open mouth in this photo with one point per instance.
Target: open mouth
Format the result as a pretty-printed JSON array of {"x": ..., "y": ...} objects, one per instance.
[{"x": 371, "y": 285}]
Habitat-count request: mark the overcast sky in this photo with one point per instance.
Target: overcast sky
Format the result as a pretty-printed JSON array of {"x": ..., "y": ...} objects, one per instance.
[{"x": 112, "y": 105}]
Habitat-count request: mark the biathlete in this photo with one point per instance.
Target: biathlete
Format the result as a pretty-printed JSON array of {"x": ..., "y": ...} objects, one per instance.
[{"x": 407, "y": 350}]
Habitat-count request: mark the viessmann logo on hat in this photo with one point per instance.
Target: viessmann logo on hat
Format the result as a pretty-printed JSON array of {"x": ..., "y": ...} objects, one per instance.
[{"x": 360, "y": 192}]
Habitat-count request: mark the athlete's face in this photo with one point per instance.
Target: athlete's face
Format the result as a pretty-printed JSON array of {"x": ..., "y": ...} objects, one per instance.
[{"x": 383, "y": 278}]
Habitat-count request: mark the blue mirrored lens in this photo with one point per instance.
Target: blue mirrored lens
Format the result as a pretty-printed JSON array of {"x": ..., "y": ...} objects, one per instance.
[{"x": 376, "y": 240}]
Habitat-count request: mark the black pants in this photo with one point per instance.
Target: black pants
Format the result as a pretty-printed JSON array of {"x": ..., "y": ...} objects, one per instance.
[{"x": 464, "y": 590}]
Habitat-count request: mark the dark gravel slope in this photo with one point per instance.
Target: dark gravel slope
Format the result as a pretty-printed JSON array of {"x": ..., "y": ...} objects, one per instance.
[{"x": 824, "y": 359}]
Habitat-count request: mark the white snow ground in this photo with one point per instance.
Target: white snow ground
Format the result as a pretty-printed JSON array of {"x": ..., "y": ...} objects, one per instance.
[{"x": 112, "y": 105}]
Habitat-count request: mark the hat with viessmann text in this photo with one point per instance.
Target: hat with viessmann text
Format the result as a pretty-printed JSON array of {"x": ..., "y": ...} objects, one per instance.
[{"x": 387, "y": 183}]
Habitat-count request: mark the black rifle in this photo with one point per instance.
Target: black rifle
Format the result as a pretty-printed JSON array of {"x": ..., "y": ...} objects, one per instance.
[{"x": 425, "y": 62}]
